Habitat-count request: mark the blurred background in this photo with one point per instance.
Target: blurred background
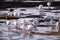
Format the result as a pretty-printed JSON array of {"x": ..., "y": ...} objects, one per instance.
[{"x": 27, "y": 3}]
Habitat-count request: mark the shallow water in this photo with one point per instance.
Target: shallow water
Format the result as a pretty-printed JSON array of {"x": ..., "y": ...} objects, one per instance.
[{"x": 20, "y": 35}]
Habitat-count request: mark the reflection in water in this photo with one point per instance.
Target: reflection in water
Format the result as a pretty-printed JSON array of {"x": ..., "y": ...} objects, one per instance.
[
  {"x": 31, "y": 36},
  {"x": 27, "y": 36},
  {"x": 19, "y": 35},
  {"x": 39, "y": 39}
]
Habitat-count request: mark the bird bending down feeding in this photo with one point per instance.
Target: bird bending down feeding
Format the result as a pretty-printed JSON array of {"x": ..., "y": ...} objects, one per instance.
[{"x": 29, "y": 27}]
